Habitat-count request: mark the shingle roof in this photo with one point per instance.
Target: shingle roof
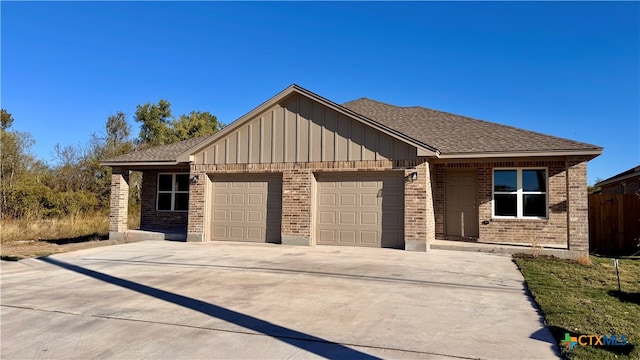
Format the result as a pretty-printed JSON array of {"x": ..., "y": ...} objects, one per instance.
[
  {"x": 453, "y": 134},
  {"x": 442, "y": 132},
  {"x": 634, "y": 171},
  {"x": 161, "y": 153}
]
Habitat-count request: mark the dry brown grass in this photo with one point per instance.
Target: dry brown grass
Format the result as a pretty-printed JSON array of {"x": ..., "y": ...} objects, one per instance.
[
  {"x": 584, "y": 260},
  {"x": 27, "y": 238},
  {"x": 14, "y": 230}
]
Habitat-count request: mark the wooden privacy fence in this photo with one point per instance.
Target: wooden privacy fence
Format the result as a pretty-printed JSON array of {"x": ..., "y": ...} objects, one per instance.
[{"x": 614, "y": 223}]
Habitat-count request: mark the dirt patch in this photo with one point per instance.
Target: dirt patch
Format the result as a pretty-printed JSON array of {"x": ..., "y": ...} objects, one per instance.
[{"x": 17, "y": 250}]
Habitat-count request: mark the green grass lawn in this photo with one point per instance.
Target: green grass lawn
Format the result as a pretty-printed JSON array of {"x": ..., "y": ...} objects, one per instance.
[{"x": 584, "y": 300}]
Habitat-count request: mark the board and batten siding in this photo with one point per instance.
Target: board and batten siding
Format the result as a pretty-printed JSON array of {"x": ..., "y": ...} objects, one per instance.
[{"x": 302, "y": 130}]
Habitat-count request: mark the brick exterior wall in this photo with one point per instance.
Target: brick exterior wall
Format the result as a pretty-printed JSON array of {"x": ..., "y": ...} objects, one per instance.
[
  {"x": 119, "y": 202},
  {"x": 196, "y": 229},
  {"x": 297, "y": 207},
  {"x": 298, "y": 186},
  {"x": 152, "y": 219},
  {"x": 578, "y": 200},
  {"x": 419, "y": 224},
  {"x": 566, "y": 180},
  {"x": 425, "y": 217}
]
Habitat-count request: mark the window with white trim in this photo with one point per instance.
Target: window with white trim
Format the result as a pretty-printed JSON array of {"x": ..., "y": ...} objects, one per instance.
[
  {"x": 520, "y": 193},
  {"x": 173, "y": 192}
]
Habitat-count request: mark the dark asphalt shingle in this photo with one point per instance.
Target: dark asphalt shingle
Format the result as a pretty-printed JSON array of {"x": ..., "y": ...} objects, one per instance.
[
  {"x": 453, "y": 134},
  {"x": 446, "y": 132},
  {"x": 168, "y": 152}
]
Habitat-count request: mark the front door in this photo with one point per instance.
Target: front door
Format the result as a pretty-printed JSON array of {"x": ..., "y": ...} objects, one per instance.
[{"x": 461, "y": 204}]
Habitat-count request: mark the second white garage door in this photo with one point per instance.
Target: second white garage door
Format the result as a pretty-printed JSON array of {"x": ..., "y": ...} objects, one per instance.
[
  {"x": 246, "y": 207},
  {"x": 360, "y": 210}
]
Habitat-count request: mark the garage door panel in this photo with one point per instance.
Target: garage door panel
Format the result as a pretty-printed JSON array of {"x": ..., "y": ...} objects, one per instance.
[
  {"x": 254, "y": 216},
  {"x": 370, "y": 184},
  {"x": 237, "y": 199},
  {"x": 327, "y": 217},
  {"x": 369, "y": 211},
  {"x": 326, "y": 237},
  {"x": 236, "y": 233},
  {"x": 347, "y": 218},
  {"x": 236, "y": 215},
  {"x": 254, "y": 234},
  {"x": 368, "y": 218},
  {"x": 246, "y": 207},
  {"x": 221, "y": 199},
  {"x": 348, "y": 199},
  {"x": 327, "y": 199},
  {"x": 369, "y": 199},
  {"x": 348, "y": 184},
  {"x": 347, "y": 237},
  {"x": 369, "y": 237},
  {"x": 220, "y": 232}
]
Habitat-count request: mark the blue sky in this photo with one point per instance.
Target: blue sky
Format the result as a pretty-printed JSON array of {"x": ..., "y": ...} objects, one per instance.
[{"x": 570, "y": 69}]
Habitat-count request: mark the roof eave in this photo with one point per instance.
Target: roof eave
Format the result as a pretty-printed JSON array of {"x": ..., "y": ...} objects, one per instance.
[
  {"x": 589, "y": 152},
  {"x": 140, "y": 163}
]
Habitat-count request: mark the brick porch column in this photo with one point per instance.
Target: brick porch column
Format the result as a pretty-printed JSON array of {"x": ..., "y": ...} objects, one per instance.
[
  {"x": 296, "y": 207},
  {"x": 195, "y": 223},
  {"x": 119, "y": 206},
  {"x": 577, "y": 205},
  {"x": 419, "y": 221}
]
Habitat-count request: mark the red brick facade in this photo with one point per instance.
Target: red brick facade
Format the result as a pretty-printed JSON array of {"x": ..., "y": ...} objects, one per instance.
[
  {"x": 119, "y": 203},
  {"x": 424, "y": 220},
  {"x": 152, "y": 219},
  {"x": 566, "y": 185},
  {"x": 298, "y": 186}
]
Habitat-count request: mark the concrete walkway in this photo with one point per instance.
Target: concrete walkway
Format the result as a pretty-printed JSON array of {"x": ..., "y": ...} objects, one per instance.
[{"x": 168, "y": 300}]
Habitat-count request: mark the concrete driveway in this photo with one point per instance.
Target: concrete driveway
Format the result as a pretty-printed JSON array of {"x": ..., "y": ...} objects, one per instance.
[{"x": 168, "y": 300}]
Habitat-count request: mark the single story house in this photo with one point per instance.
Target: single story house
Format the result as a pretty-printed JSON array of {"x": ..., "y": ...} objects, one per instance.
[
  {"x": 300, "y": 169},
  {"x": 627, "y": 182}
]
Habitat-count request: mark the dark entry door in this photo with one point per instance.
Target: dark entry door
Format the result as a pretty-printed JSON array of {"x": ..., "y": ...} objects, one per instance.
[{"x": 461, "y": 204}]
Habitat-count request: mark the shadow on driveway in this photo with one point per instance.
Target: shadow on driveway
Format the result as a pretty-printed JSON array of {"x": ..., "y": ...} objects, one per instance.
[{"x": 313, "y": 344}]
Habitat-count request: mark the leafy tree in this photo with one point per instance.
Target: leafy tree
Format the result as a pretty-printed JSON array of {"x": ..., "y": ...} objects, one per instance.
[
  {"x": 194, "y": 125},
  {"x": 69, "y": 174},
  {"x": 155, "y": 119},
  {"x": 115, "y": 141},
  {"x": 16, "y": 160},
  {"x": 593, "y": 188},
  {"x": 6, "y": 119},
  {"x": 76, "y": 183},
  {"x": 159, "y": 128}
]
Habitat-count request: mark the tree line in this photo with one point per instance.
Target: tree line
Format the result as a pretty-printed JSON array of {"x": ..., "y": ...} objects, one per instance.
[{"x": 75, "y": 182}]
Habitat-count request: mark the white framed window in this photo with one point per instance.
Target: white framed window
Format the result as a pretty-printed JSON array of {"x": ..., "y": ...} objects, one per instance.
[
  {"x": 173, "y": 192},
  {"x": 520, "y": 193}
]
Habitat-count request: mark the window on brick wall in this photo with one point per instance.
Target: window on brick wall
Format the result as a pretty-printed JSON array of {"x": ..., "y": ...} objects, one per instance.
[
  {"x": 173, "y": 192},
  {"x": 520, "y": 193}
]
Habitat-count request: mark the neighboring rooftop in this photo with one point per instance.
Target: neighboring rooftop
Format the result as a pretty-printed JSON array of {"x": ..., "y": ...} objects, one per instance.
[
  {"x": 631, "y": 173},
  {"x": 456, "y": 134}
]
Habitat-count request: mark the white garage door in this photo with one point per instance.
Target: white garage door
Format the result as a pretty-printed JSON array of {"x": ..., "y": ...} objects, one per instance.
[
  {"x": 246, "y": 207},
  {"x": 361, "y": 210}
]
